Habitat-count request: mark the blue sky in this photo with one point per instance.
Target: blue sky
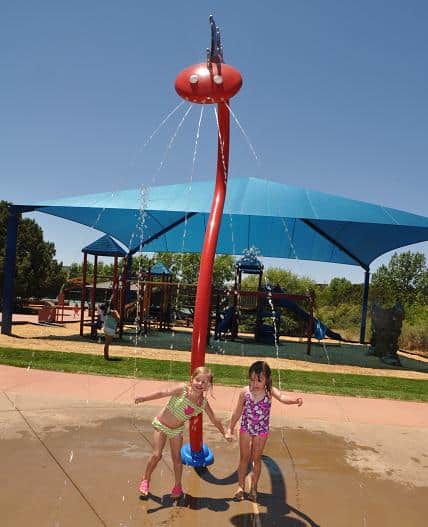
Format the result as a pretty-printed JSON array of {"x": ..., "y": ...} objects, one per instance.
[{"x": 335, "y": 98}]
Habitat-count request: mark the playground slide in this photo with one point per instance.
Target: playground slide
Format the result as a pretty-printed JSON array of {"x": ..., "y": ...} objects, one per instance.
[{"x": 320, "y": 329}]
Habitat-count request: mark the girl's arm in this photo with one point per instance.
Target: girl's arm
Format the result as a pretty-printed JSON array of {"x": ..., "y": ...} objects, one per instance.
[
  {"x": 236, "y": 415},
  {"x": 166, "y": 392},
  {"x": 115, "y": 314},
  {"x": 282, "y": 398},
  {"x": 216, "y": 421}
]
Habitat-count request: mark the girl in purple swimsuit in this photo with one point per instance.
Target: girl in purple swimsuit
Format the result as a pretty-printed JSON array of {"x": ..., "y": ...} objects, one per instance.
[{"x": 253, "y": 408}]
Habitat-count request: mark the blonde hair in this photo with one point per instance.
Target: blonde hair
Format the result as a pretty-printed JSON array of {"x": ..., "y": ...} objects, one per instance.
[{"x": 203, "y": 370}]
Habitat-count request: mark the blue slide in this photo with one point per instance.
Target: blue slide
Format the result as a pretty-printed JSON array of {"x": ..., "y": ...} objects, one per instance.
[{"x": 320, "y": 329}]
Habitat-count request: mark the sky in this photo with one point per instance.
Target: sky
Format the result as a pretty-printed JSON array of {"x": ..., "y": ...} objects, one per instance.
[{"x": 335, "y": 99}]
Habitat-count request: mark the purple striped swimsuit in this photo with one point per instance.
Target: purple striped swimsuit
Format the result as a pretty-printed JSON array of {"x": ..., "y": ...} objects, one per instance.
[{"x": 255, "y": 415}]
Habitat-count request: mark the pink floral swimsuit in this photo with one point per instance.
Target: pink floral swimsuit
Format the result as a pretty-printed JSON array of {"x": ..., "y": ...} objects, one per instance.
[{"x": 255, "y": 415}]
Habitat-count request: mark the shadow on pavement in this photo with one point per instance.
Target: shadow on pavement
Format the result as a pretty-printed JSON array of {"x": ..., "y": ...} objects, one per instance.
[{"x": 278, "y": 510}]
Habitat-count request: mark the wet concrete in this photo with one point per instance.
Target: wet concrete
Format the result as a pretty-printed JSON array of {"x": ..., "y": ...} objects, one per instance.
[{"x": 71, "y": 463}]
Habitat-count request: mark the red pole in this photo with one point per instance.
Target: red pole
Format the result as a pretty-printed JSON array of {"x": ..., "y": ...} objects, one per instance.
[
  {"x": 204, "y": 289},
  {"x": 213, "y": 82}
]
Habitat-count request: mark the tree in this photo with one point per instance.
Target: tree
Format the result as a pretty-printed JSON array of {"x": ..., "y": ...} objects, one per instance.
[
  {"x": 341, "y": 291},
  {"x": 38, "y": 274},
  {"x": 140, "y": 263},
  {"x": 185, "y": 267},
  {"x": 290, "y": 282},
  {"x": 104, "y": 270},
  {"x": 224, "y": 270},
  {"x": 404, "y": 279}
]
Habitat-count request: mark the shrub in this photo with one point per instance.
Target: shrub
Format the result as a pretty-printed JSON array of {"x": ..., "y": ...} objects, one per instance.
[
  {"x": 414, "y": 338},
  {"x": 342, "y": 316}
]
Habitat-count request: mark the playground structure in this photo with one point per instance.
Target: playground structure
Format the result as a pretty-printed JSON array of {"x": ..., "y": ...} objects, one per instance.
[
  {"x": 153, "y": 302},
  {"x": 60, "y": 312},
  {"x": 265, "y": 306},
  {"x": 156, "y": 303},
  {"x": 104, "y": 246},
  {"x": 144, "y": 299}
]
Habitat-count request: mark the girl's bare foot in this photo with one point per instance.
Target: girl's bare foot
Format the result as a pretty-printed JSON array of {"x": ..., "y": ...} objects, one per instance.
[
  {"x": 239, "y": 494},
  {"x": 252, "y": 496}
]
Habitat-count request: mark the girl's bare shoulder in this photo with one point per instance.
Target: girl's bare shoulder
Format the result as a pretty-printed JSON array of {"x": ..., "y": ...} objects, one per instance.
[
  {"x": 243, "y": 392},
  {"x": 177, "y": 389}
]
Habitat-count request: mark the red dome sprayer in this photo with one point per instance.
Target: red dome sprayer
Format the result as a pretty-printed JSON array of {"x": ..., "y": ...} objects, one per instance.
[{"x": 213, "y": 82}]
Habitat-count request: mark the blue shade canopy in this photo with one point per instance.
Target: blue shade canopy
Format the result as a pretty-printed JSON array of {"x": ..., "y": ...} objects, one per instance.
[
  {"x": 159, "y": 269},
  {"x": 104, "y": 246},
  {"x": 279, "y": 220}
]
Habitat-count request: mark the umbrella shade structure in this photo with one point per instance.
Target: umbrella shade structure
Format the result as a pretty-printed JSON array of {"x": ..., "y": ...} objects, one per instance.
[{"x": 279, "y": 220}]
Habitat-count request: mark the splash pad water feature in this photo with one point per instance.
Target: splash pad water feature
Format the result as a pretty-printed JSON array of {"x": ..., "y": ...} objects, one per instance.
[{"x": 213, "y": 82}]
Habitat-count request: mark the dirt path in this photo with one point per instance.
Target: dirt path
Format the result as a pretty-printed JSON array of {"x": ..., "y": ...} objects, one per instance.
[{"x": 341, "y": 359}]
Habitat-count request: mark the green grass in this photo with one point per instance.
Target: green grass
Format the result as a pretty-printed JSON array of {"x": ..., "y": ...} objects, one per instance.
[{"x": 314, "y": 382}]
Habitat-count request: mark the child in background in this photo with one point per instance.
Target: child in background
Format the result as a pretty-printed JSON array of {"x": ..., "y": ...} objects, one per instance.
[
  {"x": 187, "y": 400},
  {"x": 253, "y": 408},
  {"x": 110, "y": 323}
]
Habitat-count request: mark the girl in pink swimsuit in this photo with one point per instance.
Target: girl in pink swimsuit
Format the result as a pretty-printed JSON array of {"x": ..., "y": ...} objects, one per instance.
[{"x": 253, "y": 408}]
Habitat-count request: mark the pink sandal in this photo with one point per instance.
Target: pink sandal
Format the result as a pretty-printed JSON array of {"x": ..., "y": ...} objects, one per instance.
[
  {"x": 177, "y": 492},
  {"x": 144, "y": 488}
]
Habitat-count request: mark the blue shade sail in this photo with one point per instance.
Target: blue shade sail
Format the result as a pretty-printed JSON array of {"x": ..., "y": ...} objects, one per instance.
[{"x": 279, "y": 220}]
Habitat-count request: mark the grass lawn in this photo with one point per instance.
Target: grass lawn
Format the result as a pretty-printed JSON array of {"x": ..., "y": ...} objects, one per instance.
[{"x": 314, "y": 382}]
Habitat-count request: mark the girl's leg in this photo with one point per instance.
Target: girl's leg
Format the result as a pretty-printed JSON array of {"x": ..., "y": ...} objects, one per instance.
[
  {"x": 258, "y": 446},
  {"x": 244, "y": 457},
  {"x": 176, "y": 443},
  {"x": 159, "y": 440},
  {"x": 107, "y": 341}
]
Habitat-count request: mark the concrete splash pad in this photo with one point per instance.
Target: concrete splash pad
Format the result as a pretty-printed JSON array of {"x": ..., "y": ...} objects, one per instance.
[{"x": 76, "y": 459}]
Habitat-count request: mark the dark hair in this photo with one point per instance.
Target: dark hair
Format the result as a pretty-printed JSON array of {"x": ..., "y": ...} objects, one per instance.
[{"x": 261, "y": 367}]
